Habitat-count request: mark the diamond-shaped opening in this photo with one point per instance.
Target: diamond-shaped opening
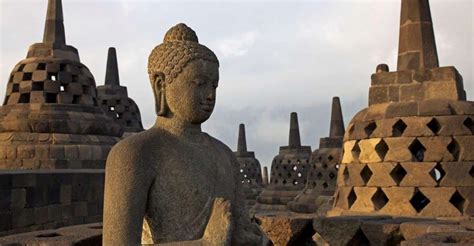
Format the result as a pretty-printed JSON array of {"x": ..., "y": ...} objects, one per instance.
[
  {"x": 359, "y": 239},
  {"x": 319, "y": 175},
  {"x": 345, "y": 173},
  {"x": 313, "y": 184},
  {"x": 419, "y": 201},
  {"x": 398, "y": 173},
  {"x": 381, "y": 148},
  {"x": 437, "y": 173},
  {"x": 370, "y": 128},
  {"x": 336, "y": 166},
  {"x": 471, "y": 172},
  {"x": 351, "y": 198},
  {"x": 366, "y": 173},
  {"x": 325, "y": 166},
  {"x": 53, "y": 76},
  {"x": 469, "y": 123},
  {"x": 458, "y": 201},
  {"x": 299, "y": 175},
  {"x": 356, "y": 151},
  {"x": 454, "y": 149},
  {"x": 332, "y": 175},
  {"x": 325, "y": 185},
  {"x": 379, "y": 199},
  {"x": 330, "y": 158},
  {"x": 295, "y": 182},
  {"x": 284, "y": 181},
  {"x": 417, "y": 150},
  {"x": 434, "y": 125},
  {"x": 295, "y": 168},
  {"x": 398, "y": 128}
]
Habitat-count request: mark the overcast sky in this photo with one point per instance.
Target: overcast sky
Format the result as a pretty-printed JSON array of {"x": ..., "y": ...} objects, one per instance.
[{"x": 276, "y": 56}]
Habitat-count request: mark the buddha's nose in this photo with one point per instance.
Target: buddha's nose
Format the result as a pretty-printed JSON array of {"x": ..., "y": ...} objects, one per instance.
[{"x": 211, "y": 96}]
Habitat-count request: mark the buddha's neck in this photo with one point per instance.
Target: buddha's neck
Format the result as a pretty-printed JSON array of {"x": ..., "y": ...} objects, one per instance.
[{"x": 191, "y": 132}]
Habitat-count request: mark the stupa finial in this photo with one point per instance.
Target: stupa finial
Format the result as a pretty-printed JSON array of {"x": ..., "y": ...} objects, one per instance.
[
  {"x": 112, "y": 74},
  {"x": 54, "y": 26},
  {"x": 337, "y": 122},
  {"x": 417, "y": 46},
  {"x": 242, "y": 142},
  {"x": 294, "y": 139}
]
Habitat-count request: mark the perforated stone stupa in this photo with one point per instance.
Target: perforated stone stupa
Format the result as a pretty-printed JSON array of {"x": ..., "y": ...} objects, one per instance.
[
  {"x": 114, "y": 101},
  {"x": 411, "y": 152},
  {"x": 288, "y": 173},
  {"x": 250, "y": 170},
  {"x": 324, "y": 164},
  {"x": 50, "y": 118}
]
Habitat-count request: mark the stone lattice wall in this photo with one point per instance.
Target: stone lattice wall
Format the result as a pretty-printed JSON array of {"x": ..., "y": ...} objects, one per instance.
[{"x": 47, "y": 199}]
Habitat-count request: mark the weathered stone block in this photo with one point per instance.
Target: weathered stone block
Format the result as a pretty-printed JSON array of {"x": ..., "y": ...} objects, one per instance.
[
  {"x": 368, "y": 152},
  {"x": 23, "y": 217},
  {"x": 66, "y": 194},
  {"x": 379, "y": 174},
  {"x": 418, "y": 174},
  {"x": 18, "y": 199},
  {"x": 411, "y": 92},
  {"x": 399, "y": 201},
  {"x": 398, "y": 150},
  {"x": 363, "y": 203},
  {"x": 41, "y": 215}
]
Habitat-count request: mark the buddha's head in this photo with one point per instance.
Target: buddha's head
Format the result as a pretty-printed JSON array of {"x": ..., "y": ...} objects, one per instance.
[{"x": 184, "y": 76}]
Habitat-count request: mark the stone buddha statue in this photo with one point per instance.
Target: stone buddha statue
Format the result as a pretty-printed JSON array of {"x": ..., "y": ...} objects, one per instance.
[{"x": 173, "y": 183}]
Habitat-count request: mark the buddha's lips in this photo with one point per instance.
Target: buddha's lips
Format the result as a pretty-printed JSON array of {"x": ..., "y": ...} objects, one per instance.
[{"x": 207, "y": 107}]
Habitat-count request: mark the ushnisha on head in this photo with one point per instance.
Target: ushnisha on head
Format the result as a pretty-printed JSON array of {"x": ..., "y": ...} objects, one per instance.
[{"x": 184, "y": 76}]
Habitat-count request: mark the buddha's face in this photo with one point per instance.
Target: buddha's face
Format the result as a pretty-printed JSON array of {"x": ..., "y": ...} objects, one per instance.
[{"x": 192, "y": 94}]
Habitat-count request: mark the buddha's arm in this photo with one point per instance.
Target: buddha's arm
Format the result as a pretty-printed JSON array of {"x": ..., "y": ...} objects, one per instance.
[
  {"x": 247, "y": 233},
  {"x": 126, "y": 188}
]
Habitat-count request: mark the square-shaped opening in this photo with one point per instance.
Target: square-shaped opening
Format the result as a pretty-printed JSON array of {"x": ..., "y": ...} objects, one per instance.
[
  {"x": 62, "y": 88},
  {"x": 62, "y": 67},
  {"x": 85, "y": 89},
  {"x": 15, "y": 87},
  {"x": 27, "y": 76},
  {"x": 76, "y": 99},
  {"x": 51, "y": 98},
  {"x": 24, "y": 98},
  {"x": 112, "y": 108},
  {"x": 37, "y": 86},
  {"x": 41, "y": 66}
]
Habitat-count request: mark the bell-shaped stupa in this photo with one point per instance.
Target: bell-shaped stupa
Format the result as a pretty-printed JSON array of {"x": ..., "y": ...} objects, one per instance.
[
  {"x": 50, "y": 117},
  {"x": 288, "y": 174},
  {"x": 324, "y": 163},
  {"x": 114, "y": 101},
  {"x": 411, "y": 152},
  {"x": 250, "y": 170}
]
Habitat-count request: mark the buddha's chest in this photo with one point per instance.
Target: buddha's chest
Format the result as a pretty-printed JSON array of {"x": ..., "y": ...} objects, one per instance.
[{"x": 188, "y": 182}]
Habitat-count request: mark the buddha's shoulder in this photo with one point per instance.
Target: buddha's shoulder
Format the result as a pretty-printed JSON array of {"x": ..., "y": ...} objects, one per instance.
[
  {"x": 140, "y": 145},
  {"x": 219, "y": 144}
]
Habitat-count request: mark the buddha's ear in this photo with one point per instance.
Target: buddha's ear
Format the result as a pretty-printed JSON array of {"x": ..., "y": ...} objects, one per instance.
[{"x": 158, "y": 84}]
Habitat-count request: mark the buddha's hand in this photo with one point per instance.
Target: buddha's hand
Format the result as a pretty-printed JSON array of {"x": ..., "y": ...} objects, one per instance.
[{"x": 219, "y": 227}]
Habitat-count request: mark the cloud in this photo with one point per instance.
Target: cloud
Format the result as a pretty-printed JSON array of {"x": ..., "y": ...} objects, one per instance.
[{"x": 236, "y": 45}]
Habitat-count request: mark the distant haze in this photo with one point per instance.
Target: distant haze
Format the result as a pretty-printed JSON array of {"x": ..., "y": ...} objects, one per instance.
[{"x": 276, "y": 56}]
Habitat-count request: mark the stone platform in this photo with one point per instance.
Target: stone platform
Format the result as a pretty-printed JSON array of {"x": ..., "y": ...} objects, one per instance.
[
  {"x": 81, "y": 235},
  {"x": 299, "y": 229}
]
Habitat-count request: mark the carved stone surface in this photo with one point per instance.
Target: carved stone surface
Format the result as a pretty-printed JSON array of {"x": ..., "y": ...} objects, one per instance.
[
  {"x": 324, "y": 165},
  {"x": 114, "y": 101},
  {"x": 50, "y": 118},
  {"x": 179, "y": 183},
  {"x": 288, "y": 174},
  {"x": 250, "y": 170},
  {"x": 411, "y": 155}
]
